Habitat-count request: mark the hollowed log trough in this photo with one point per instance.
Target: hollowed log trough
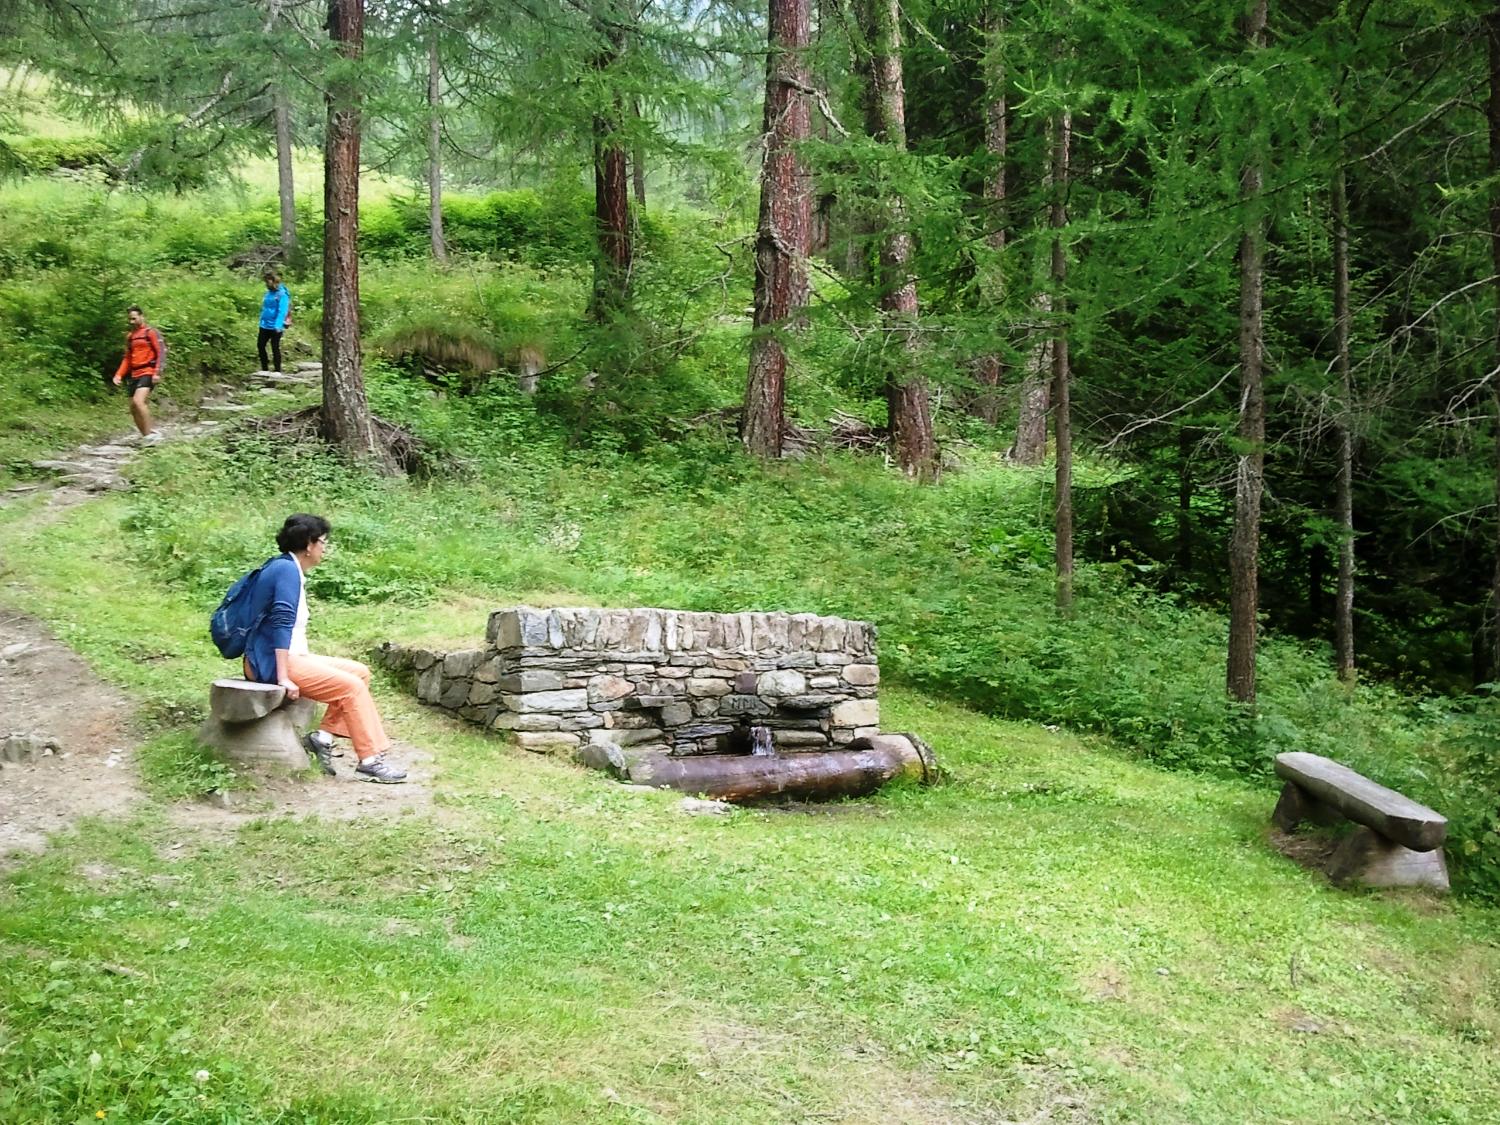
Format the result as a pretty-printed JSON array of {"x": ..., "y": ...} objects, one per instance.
[{"x": 856, "y": 771}]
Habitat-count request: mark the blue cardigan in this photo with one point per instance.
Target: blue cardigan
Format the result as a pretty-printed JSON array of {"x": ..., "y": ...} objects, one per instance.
[
  {"x": 274, "y": 308},
  {"x": 274, "y": 603}
]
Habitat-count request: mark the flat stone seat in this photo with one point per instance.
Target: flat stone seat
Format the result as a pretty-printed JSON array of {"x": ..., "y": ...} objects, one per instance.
[
  {"x": 1399, "y": 842},
  {"x": 240, "y": 701},
  {"x": 255, "y": 723}
]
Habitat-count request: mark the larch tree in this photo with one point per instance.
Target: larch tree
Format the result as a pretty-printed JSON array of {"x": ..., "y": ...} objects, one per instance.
[
  {"x": 435, "y": 149},
  {"x": 1062, "y": 374},
  {"x": 989, "y": 369},
  {"x": 1343, "y": 614},
  {"x": 906, "y": 394},
  {"x": 615, "y": 254},
  {"x": 781, "y": 242},
  {"x": 286, "y": 187},
  {"x": 1492, "y": 41},
  {"x": 346, "y": 418},
  {"x": 1244, "y": 542}
]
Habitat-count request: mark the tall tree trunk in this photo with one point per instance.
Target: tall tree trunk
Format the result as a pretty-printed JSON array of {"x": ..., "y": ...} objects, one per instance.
[
  {"x": 1184, "y": 503},
  {"x": 990, "y": 369},
  {"x": 1343, "y": 607},
  {"x": 1244, "y": 542},
  {"x": 905, "y": 389},
  {"x": 1062, "y": 421},
  {"x": 785, "y": 219},
  {"x": 434, "y": 150},
  {"x": 284, "y": 182},
  {"x": 346, "y": 410},
  {"x": 1030, "y": 444},
  {"x": 638, "y": 161},
  {"x": 1492, "y": 35},
  {"x": 612, "y": 265}
]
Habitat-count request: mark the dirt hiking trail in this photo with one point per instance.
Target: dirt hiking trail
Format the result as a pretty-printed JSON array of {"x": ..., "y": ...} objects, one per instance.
[{"x": 68, "y": 740}]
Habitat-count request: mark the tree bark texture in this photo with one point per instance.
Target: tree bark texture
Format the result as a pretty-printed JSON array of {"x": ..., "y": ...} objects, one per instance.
[
  {"x": 1184, "y": 502},
  {"x": 434, "y": 150},
  {"x": 1030, "y": 444},
  {"x": 346, "y": 410},
  {"x": 906, "y": 396},
  {"x": 989, "y": 370},
  {"x": 1343, "y": 607},
  {"x": 615, "y": 255},
  {"x": 286, "y": 188},
  {"x": 781, "y": 244},
  {"x": 1062, "y": 421},
  {"x": 1244, "y": 542},
  {"x": 638, "y": 162},
  {"x": 1492, "y": 37}
]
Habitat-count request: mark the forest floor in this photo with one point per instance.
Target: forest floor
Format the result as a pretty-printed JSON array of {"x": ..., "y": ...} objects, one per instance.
[{"x": 1057, "y": 934}]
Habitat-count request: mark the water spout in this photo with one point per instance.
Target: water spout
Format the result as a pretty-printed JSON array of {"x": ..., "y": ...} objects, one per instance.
[{"x": 760, "y": 742}]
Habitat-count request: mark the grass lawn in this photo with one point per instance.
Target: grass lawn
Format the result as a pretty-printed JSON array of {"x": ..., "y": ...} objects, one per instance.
[{"x": 1058, "y": 933}]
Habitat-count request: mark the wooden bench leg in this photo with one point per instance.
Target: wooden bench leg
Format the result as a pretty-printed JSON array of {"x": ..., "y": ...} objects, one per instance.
[
  {"x": 1296, "y": 805},
  {"x": 1367, "y": 857}
]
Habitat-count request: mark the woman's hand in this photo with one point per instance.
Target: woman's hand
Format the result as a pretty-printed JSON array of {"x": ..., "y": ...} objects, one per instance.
[{"x": 293, "y": 692}]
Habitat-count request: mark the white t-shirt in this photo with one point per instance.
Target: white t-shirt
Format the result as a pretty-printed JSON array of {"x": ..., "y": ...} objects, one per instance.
[{"x": 298, "y": 647}]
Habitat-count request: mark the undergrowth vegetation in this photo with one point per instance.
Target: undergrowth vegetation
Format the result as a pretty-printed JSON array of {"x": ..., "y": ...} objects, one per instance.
[
  {"x": 957, "y": 577},
  {"x": 574, "y": 492}
]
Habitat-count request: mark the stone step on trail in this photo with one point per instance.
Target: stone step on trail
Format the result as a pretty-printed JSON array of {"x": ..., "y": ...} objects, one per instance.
[{"x": 63, "y": 466}]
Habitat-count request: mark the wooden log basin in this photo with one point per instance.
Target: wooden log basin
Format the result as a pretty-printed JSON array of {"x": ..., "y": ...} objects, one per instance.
[{"x": 864, "y": 767}]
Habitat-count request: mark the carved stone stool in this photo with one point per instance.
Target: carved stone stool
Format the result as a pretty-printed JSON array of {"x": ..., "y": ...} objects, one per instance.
[{"x": 256, "y": 724}]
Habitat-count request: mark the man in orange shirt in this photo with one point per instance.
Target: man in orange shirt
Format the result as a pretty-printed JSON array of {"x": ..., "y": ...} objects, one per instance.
[{"x": 140, "y": 370}]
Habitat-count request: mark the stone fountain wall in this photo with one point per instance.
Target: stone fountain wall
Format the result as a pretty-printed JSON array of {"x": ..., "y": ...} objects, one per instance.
[{"x": 657, "y": 679}]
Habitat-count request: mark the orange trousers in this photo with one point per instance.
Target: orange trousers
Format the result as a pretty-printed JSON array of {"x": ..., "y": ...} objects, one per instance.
[{"x": 345, "y": 686}]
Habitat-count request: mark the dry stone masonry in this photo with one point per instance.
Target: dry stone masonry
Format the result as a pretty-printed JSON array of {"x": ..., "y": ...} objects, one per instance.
[{"x": 657, "y": 679}]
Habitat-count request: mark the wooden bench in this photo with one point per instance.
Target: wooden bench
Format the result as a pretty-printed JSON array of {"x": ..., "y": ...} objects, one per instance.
[
  {"x": 1399, "y": 843},
  {"x": 255, "y": 723}
]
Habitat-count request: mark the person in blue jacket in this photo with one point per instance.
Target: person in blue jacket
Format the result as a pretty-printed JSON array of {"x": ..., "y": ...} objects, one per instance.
[
  {"x": 275, "y": 315},
  {"x": 276, "y": 652}
]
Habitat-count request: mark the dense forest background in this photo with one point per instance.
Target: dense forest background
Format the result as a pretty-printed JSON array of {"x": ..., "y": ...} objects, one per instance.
[{"x": 1239, "y": 263}]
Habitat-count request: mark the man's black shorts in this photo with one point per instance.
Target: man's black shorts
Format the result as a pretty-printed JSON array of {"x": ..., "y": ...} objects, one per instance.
[{"x": 134, "y": 383}]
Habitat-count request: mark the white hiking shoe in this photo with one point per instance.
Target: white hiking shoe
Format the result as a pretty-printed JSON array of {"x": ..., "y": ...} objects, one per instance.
[{"x": 376, "y": 768}]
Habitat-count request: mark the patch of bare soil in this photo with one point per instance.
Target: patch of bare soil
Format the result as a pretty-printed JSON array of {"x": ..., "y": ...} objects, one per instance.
[
  {"x": 1312, "y": 850},
  {"x": 343, "y": 797},
  {"x": 48, "y": 691}
]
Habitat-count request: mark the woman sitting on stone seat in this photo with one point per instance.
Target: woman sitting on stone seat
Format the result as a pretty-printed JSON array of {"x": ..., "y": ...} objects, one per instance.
[{"x": 276, "y": 652}]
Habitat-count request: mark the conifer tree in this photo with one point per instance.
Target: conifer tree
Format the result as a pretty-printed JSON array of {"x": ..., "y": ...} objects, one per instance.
[
  {"x": 347, "y": 422},
  {"x": 781, "y": 244},
  {"x": 1244, "y": 545},
  {"x": 906, "y": 392}
]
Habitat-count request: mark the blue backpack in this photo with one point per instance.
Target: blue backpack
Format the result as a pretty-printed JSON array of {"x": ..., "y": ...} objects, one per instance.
[{"x": 231, "y": 624}]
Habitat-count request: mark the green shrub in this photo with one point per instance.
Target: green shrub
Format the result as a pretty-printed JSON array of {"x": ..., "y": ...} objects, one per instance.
[
  {"x": 39, "y": 155},
  {"x": 521, "y": 224}
]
